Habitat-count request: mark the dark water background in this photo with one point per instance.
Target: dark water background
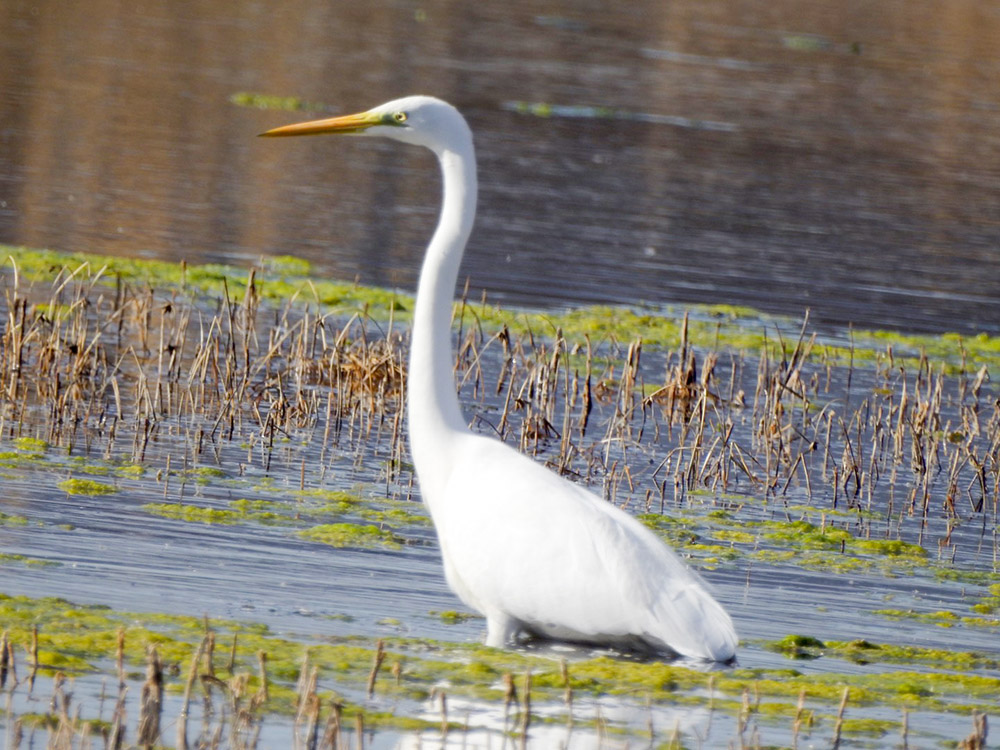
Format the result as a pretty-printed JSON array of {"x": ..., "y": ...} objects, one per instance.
[{"x": 841, "y": 156}]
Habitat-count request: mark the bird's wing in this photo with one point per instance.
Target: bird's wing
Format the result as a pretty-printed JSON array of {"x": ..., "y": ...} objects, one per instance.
[{"x": 557, "y": 557}]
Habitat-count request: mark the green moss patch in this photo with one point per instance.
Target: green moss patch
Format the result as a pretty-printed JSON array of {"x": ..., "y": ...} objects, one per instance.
[
  {"x": 352, "y": 535},
  {"x": 8, "y": 557},
  {"x": 719, "y": 536},
  {"x": 864, "y": 652},
  {"x": 84, "y": 638},
  {"x": 7, "y": 519},
  {"x": 451, "y": 617},
  {"x": 30, "y": 445},
  {"x": 200, "y": 514},
  {"x": 267, "y": 101},
  {"x": 77, "y": 486},
  {"x": 711, "y": 326}
]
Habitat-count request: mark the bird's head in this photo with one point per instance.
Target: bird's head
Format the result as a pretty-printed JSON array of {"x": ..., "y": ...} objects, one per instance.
[{"x": 420, "y": 120}]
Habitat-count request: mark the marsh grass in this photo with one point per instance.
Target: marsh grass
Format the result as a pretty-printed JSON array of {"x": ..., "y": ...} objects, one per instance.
[{"x": 776, "y": 448}]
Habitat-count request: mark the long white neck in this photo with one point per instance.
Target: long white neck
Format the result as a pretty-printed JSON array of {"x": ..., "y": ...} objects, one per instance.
[{"x": 434, "y": 414}]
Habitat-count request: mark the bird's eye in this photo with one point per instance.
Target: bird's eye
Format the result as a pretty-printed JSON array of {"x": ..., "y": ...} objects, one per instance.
[{"x": 400, "y": 117}]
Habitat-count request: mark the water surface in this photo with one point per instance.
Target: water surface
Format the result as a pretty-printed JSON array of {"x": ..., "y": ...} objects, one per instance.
[
  {"x": 838, "y": 156},
  {"x": 118, "y": 549},
  {"x": 842, "y": 156}
]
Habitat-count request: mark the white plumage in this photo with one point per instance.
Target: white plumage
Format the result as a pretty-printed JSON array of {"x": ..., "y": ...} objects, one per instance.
[{"x": 528, "y": 549}]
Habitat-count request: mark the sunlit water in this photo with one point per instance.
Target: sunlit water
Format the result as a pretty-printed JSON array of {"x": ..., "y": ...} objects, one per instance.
[
  {"x": 841, "y": 156},
  {"x": 837, "y": 157}
]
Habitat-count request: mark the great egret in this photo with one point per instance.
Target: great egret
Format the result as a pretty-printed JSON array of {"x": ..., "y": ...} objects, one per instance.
[{"x": 528, "y": 549}]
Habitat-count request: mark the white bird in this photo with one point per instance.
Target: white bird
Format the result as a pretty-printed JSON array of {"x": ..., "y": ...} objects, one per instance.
[{"x": 531, "y": 551}]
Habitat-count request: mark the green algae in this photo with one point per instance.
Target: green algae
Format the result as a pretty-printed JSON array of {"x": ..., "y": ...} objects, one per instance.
[
  {"x": 31, "y": 446},
  {"x": 287, "y": 265},
  {"x": 889, "y": 547},
  {"x": 352, "y": 535},
  {"x": 28, "y": 453},
  {"x": 194, "y": 513},
  {"x": 990, "y": 603},
  {"x": 7, "y": 519},
  {"x": 734, "y": 536},
  {"x": 319, "y": 501},
  {"x": 718, "y": 536},
  {"x": 129, "y": 471},
  {"x": 239, "y": 512},
  {"x": 247, "y": 507},
  {"x": 797, "y": 646},
  {"x": 865, "y": 652},
  {"x": 85, "y": 465},
  {"x": 84, "y": 638},
  {"x": 942, "y": 618},
  {"x": 805, "y": 535},
  {"x": 328, "y": 496},
  {"x": 10, "y": 557},
  {"x": 77, "y": 486},
  {"x": 946, "y": 347},
  {"x": 977, "y": 577},
  {"x": 81, "y": 464},
  {"x": 453, "y": 617},
  {"x": 267, "y": 101},
  {"x": 711, "y": 327},
  {"x": 868, "y": 727},
  {"x": 677, "y": 530},
  {"x": 204, "y": 475},
  {"x": 309, "y": 505},
  {"x": 806, "y": 42},
  {"x": 208, "y": 279}
]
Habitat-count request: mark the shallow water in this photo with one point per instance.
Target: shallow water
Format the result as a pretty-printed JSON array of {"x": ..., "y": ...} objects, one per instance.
[
  {"x": 110, "y": 550},
  {"x": 841, "y": 156}
]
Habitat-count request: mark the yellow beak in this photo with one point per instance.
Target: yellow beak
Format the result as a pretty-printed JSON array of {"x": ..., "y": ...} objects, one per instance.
[{"x": 345, "y": 124}]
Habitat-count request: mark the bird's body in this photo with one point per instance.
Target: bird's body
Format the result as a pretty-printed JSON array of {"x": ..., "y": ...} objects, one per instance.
[
  {"x": 549, "y": 557},
  {"x": 528, "y": 549}
]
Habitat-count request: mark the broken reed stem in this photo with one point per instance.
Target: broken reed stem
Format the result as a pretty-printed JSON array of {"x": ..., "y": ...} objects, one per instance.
[
  {"x": 6, "y": 661},
  {"x": 116, "y": 734},
  {"x": 151, "y": 703},
  {"x": 567, "y": 690},
  {"x": 182, "y": 743},
  {"x": 262, "y": 691},
  {"x": 33, "y": 656},
  {"x": 376, "y": 665},
  {"x": 525, "y": 707},
  {"x": 331, "y": 736},
  {"x": 977, "y": 739},
  {"x": 231, "y": 666},
  {"x": 509, "y": 695},
  {"x": 443, "y": 701},
  {"x": 797, "y": 724},
  {"x": 840, "y": 718}
]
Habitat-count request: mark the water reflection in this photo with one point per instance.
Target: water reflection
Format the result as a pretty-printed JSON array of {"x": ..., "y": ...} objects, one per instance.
[{"x": 859, "y": 176}]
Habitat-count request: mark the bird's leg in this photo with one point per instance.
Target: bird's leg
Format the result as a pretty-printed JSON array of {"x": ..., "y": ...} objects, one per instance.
[{"x": 500, "y": 630}]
